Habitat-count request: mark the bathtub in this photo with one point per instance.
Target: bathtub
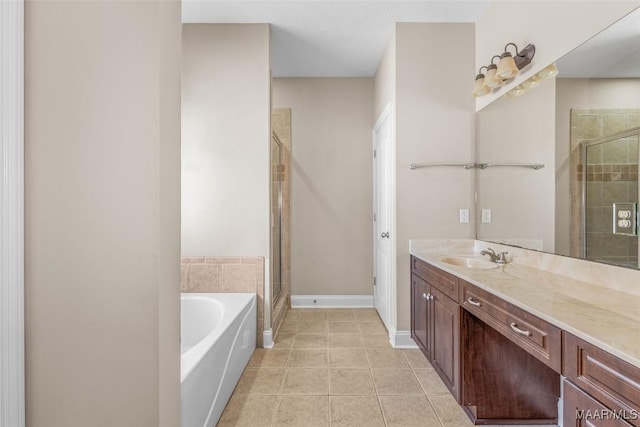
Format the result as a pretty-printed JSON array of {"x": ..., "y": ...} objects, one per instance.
[{"x": 218, "y": 336}]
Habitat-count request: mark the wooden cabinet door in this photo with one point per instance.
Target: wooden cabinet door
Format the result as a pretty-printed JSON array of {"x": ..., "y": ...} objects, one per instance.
[
  {"x": 420, "y": 314},
  {"x": 446, "y": 340},
  {"x": 581, "y": 410}
]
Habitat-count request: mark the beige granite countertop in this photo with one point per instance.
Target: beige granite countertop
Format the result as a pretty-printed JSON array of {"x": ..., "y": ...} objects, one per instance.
[{"x": 606, "y": 317}]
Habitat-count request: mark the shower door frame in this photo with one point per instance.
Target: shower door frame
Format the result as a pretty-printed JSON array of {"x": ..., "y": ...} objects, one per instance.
[
  {"x": 635, "y": 131},
  {"x": 275, "y": 297}
]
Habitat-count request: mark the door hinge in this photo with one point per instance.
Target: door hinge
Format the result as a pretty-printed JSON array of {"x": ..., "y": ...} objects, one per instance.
[
  {"x": 374, "y": 217},
  {"x": 374, "y": 281},
  {"x": 475, "y": 197},
  {"x": 374, "y": 154}
]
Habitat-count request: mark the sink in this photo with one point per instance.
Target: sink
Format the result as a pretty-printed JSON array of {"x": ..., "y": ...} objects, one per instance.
[{"x": 469, "y": 262}]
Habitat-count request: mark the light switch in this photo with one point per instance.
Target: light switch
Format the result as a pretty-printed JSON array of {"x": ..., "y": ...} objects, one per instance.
[
  {"x": 486, "y": 216},
  {"x": 464, "y": 216}
]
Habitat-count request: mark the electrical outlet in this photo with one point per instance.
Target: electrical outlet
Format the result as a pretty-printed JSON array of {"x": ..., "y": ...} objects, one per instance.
[
  {"x": 464, "y": 216},
  {"x": 486, "y": 216}
]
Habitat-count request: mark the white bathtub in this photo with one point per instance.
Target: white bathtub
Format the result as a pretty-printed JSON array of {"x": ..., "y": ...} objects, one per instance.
[{"x": 218, "y": 336}]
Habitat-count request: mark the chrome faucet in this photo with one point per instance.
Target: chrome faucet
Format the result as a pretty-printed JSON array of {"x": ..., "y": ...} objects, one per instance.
[{"x": 497, "y": 258}]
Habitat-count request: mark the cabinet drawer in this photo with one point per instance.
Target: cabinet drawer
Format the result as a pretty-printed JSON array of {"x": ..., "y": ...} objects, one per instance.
[
  {"x": 537, "y": 337},
  {"x": 607, "y": 378},
  {"x": 581, "y": 410},
  {"x": 443, "y": 281}
]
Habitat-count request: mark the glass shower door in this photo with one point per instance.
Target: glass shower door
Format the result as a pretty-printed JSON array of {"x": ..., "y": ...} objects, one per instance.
[{"x": 611, "y": 180}]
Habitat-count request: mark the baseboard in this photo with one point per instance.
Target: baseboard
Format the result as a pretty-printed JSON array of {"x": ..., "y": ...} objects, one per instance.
[
  {"x": 267, "y": 339},
  {"x": 332, "y": 301},
  {"x": 401, "y": 339}
]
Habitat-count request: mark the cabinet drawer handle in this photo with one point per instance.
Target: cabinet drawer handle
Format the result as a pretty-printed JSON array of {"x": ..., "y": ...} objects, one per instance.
[
  {"x": 474, "y": 302},
  {"x": 515, "y": 328}
]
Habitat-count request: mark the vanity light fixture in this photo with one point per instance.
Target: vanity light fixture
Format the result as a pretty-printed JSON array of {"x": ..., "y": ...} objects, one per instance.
[
  {"x": 479, "y": 88},
  {"x": 491, "y": 80},
  {"x": 509, "y": 66},
  {"x": 517, "y": 91},
  {"x": 529, "y": 83},
  {"x": 548, "y": 72}
]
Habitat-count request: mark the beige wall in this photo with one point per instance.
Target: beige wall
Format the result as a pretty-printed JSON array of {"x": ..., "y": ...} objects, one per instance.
[
  {"x": 102, "y": 196},
  {"x": 435, "y": 122},
  {"x": 555, "y": 27},
  {"x": 522, "y": 201},
  {"x": 385, "y": 79},
  {"x": 226, "y": 115},
  {"x": 582, "y": 94},
  {"x": 331, "y": 195}
]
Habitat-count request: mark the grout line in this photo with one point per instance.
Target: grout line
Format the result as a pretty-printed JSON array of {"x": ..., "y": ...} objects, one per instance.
[
  {"x": 274, "y": 418},
  {"x": 435, "y": 412}
]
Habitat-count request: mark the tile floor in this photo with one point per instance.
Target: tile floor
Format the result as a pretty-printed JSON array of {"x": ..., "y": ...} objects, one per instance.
[{"x": 335, "y": 367}]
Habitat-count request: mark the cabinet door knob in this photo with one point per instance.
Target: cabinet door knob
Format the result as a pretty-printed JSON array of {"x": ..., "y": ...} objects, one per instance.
[
  {"x": 425, "y": 296},
  {"x": 474, "y": 302},
  {"x": 515, "y": 328}
]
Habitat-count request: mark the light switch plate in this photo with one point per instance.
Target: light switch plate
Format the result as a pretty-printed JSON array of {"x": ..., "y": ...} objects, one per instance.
[
  {"x": 464, "y": 216},
  {"x": 486, "y": 216}
]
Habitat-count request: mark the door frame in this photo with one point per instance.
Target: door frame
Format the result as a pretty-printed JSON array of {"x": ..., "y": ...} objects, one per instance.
[
  {"x": 12, "y": 362},
  {"x": 387, "y": 113}
]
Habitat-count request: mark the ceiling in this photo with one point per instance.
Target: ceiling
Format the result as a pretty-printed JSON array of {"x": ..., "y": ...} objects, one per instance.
[
  {"x": 329, "y": 38},
  {"x": 346, "y": 38},
  {"x": 612, "y": 53}
]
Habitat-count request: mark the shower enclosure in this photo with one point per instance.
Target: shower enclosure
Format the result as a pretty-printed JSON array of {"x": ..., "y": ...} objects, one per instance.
[{"x": 610, "y": 198}]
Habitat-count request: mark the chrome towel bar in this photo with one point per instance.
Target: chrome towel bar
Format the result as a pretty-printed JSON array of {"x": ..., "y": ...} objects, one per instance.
[{"x": 534, "y": 166}]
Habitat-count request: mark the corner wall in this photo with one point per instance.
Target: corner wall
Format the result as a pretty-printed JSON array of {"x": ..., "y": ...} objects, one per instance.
[
  {"x": 226, "y": 123},
  {"x": 102, "y": 216},
  {"x": 226, "y": 130},
  {"x": 435, "y": 122}
]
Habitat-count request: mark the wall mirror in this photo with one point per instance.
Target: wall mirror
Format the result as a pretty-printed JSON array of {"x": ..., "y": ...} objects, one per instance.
[{"x": 584, "y": 126}]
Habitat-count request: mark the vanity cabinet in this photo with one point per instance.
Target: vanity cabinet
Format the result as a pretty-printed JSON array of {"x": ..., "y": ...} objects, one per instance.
[
  {"x": 468, "y": 335},
  {"x": 537, "y": 337},
  {"x": 597, "y": 379},
  {"x": 511, "y": 362},
  {"x": 435, "y": 321}
]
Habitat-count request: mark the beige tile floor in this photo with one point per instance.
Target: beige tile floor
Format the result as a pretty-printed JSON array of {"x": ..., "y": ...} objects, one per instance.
[{"x": 335, "y": 367}]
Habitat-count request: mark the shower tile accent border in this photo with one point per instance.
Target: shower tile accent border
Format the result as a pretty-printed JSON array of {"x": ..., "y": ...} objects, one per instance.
[{"x": 226, "y": 274}]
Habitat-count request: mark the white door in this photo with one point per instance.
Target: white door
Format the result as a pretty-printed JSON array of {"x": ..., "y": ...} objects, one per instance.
[{"x": 382, "y": 216}]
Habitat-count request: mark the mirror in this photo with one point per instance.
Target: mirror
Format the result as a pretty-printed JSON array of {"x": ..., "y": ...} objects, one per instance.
[{"x": 584, "y": 126}]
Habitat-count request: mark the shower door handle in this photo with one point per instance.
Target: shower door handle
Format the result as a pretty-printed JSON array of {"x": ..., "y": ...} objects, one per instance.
[{"x": 385, "y": 235}]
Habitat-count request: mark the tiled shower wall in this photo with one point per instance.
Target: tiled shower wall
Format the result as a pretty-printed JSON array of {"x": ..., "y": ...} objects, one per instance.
[
  {"x": 612, "y": 176},
  {"x": 226, "y": 274}
]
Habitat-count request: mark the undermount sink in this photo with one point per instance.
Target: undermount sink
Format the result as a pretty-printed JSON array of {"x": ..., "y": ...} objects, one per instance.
[{"x": 469, "y": 262}]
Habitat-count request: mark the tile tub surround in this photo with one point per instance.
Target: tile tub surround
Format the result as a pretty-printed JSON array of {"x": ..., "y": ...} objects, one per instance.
[
  {"x": 316, "y": 377},
  {"x": 226, "y": 274},
  {"x": 596, "y": 302}
]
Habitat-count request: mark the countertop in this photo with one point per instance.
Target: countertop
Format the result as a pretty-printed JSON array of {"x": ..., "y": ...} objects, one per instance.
[{"x": 607, "y": 318}]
